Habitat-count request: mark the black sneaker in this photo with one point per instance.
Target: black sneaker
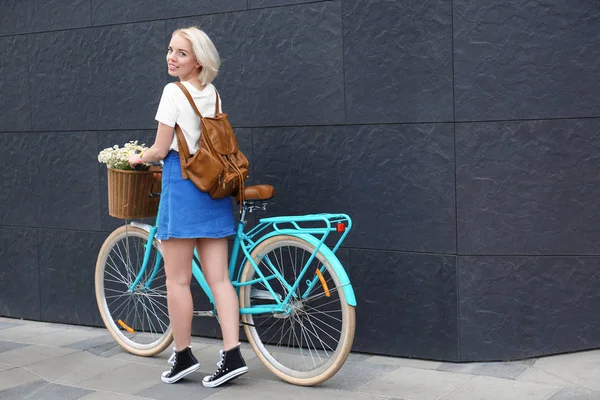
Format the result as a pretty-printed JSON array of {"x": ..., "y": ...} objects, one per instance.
[
  {"x": 231, "y": 366},
  {"x": 184, "y": 363}
]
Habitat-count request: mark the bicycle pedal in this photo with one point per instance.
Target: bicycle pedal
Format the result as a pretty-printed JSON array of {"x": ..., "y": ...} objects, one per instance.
[{"x": 203, "y": 313}]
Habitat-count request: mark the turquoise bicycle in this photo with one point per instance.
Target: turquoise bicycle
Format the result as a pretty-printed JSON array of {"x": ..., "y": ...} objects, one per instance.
[{"x": 297, "y": 304}]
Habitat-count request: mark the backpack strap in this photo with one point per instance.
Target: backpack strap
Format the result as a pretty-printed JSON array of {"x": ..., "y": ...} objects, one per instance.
[
  {"x": 217, "y": 103},
  {"x": 184, "y": 151}
]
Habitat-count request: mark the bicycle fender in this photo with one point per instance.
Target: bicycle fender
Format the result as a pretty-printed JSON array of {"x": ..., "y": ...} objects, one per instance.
[
  {"x": 333, "y": 260},
  {"x": 144, "y": 227},
  {"x": 141, "y": 225}
]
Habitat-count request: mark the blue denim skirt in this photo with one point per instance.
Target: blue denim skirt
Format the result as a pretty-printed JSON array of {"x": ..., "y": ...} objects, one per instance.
[{"x": 187, "y": 212}]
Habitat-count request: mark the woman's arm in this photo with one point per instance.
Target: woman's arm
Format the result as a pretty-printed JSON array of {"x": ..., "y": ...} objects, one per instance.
[{"x": 160, "y": 148}]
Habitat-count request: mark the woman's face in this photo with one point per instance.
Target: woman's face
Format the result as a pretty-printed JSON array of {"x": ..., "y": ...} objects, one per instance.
[{"x": 180, "y": 58}]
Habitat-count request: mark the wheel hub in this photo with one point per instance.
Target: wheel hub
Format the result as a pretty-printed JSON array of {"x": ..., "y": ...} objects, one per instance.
[{"x": 294, "y": 309}]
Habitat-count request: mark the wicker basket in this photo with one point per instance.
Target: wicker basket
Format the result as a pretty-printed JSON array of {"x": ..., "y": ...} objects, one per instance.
[{"x": 129, "y": 193}]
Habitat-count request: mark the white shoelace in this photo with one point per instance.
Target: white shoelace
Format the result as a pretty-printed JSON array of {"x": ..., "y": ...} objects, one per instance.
[
  {"x": 219, "y": 364},
  {"x": 171, "y": 359}
]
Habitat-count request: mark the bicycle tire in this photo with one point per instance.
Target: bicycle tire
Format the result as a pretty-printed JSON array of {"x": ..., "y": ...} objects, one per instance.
[
  {"x": 121, "y": 241},
  {"x": 261, "y": 346}
]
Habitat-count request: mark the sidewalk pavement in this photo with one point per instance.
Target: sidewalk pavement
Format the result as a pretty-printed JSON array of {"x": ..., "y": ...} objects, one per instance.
[{"x": 42, "y": 361}]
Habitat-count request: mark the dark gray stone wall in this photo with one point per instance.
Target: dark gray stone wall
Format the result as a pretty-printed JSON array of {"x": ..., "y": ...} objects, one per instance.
[{"x": 462, "y": 138}]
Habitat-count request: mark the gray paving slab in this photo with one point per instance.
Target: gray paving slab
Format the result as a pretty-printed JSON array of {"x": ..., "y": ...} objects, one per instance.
[
  {"x": 534, "y": 374},
  {"x": 126, "y": 379},
  {"x": 159, "y": 360},
  {"x": 16, "y": 377},
  {"x": 63, "y": 337},
  {"x": 27, "y": 330},
  {"x": 329, "y": 394},
  {"x": 488, "y": 388},
  {"x": 5, "y": 366},
  {"x": 507, "y": 370},
  {"x": 7, "y": 346},
  {"x": 583, "y": 368},
  {"x": 53, "y": 391},
  {"x": 22, "y": 391},
  {"x": 6, "y": 325},
  {"x": 112, "y": 396},
  {"x": 205, "y": 341},
  {"x": 10, "y": 320},
  {"x": 403, "y": 362},
  {"x": 529, "y": 361},
  {"x": 32, "y": 354},
  {"x": 359, "y": 357},
  {"x": 92, "y": 343},
  {"x": 188, "y": 388},
  {"x": 293, "y": 359},
  {"x": 415, "y": 384},
  {"x": 575, "y": 393},
  {"x": 353, "y": 375},
  {"x": 72, "y": 368},
  {"x": 253, "y": 389},
  {"x": 106, "y": 350}
]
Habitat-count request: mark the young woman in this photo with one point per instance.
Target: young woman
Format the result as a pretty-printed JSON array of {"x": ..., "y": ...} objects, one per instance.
[{"x": 188, "y": 217}]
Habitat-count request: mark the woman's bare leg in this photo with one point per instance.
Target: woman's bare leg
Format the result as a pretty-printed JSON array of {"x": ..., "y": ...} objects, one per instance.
[
  {"x": 213, "y": 257},
  {"x": 177, "y": 254}
]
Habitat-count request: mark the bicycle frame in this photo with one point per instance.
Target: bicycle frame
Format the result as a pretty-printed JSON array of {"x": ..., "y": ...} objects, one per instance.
[{"x": 246, "y": 242}]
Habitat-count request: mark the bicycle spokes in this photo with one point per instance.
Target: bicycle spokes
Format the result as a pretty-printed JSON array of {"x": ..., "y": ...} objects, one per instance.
[
  {"x": 138, "y": 309},
  {"x": 307, "y": 337}
]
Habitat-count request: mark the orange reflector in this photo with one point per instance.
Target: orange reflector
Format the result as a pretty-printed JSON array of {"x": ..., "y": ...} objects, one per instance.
[
  {"x": 323, "y": 283},
  {"x": 124, "y": 326},
  {"x": 340, "y": 227}
]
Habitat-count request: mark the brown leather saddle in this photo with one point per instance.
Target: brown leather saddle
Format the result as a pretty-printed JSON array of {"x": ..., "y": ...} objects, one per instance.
[{"x": 258, "y": 192}]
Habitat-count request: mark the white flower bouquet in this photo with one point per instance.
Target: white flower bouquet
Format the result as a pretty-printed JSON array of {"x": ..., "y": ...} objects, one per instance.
[{"x": 118, "y": 158}]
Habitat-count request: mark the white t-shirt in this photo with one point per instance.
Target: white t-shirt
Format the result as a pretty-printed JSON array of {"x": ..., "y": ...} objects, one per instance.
[{"x": 174, "y": 108}]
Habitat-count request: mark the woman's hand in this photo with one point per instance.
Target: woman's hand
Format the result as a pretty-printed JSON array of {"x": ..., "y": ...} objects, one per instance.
[{"x": 134, "y": 160}]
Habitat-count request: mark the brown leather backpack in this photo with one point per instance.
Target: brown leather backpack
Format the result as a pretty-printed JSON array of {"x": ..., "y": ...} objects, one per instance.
[{"x": 218, "y": 167}]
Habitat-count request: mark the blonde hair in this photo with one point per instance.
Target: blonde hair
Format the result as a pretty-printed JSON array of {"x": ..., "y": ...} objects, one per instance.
[{"x": 205, "y": 52}]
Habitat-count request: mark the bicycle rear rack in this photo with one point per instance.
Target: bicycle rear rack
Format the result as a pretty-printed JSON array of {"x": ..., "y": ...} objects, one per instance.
[{"x": 313, "y": 224}]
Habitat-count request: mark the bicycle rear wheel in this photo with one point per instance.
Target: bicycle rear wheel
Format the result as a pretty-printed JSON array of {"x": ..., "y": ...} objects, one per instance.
[
  {"x": 138, "y": 319},
  {"x": 310, "y": 342}
]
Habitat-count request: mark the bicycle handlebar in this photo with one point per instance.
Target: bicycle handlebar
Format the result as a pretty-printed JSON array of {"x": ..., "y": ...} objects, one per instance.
[{"x": 139, "y": 167}]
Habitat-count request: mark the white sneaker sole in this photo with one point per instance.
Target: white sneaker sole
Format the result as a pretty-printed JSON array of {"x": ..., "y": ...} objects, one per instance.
[
  {"x": 180, "y": 375},
  {"x": 225, "y": 378}
]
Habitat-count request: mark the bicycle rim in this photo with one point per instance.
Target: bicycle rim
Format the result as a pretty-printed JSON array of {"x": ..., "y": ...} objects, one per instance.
[
  {"x": 138, "y": 319},
  {"x": 308, "y": 344}
]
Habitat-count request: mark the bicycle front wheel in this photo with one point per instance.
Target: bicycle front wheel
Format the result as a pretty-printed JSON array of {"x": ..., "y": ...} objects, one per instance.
[
  {"x": 137, "y": 318},
  {"x": 309, "y": 343}
]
